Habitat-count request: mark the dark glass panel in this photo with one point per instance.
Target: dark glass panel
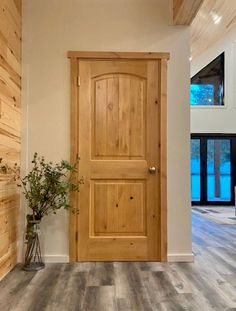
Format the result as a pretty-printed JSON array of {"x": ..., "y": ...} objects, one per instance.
[
  {"x": 195, "y": 170},
  {"x": 207, "y": 86},
  {"x": 218, "y": 170}
]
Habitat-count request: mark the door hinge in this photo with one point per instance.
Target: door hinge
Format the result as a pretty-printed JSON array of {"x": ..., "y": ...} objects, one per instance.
[
  {"x": 78, "y": 80},
  {"x": 76, "y": 236}
]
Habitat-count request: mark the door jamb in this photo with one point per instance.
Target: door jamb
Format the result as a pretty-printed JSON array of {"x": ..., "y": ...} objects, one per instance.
[{"x": 74, "y": 57}]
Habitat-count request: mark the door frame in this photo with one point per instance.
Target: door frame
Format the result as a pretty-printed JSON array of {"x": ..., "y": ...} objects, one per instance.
[
  {"x": 75, "y": 57},
  {"x": 203, "y": 137}
]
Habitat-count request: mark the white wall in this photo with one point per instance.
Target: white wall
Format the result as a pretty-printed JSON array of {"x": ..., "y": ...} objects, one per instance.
[
  {"x": 218, "y": 119},
  {"x": 50, "y": 29}
]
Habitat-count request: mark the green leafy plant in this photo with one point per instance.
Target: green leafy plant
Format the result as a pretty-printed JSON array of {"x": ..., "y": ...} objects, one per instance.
[
  {"x": 46, "y": 189},
  {"x": 47, "y": 186}
]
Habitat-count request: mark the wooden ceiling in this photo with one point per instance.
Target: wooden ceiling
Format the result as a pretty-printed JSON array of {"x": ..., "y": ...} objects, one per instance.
[
  {"x": 213, "y": 20},
  {"x": 184, "y": 11}
]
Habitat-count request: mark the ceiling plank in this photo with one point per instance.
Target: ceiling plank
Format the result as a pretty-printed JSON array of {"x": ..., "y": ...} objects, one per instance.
[
  {"x": 213, "y": 21},
  {"x": 184, "y": 11}
]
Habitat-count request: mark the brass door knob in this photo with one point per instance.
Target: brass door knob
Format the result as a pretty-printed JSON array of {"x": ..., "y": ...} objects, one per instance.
[{"x": 152, "y": 169}]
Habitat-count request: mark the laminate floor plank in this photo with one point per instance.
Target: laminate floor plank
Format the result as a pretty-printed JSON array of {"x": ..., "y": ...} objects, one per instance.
[
  {"x": 39, "y": 291},
  {"x": 13, "y": 286},
  {"x": 99, "y": 298},
  {"x": 208, "y": 284},
  {"x": 69, "y": 291}
]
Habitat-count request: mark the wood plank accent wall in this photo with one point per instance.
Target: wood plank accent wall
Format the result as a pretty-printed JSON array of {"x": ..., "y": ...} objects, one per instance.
[{"x": 10, "y": 116}]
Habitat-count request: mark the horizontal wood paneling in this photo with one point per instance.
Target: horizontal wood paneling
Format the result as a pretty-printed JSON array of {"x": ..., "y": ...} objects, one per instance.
[
  {"x": 10, "y": 116},
  {"x": 8, "y": 56},
  {"x": 8, "y": 261},
  {"x": 10, "y": 26}
]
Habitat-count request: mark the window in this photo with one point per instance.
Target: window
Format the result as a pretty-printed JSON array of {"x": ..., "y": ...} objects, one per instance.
[
  {"x": 207, "y": 86},
  {"x": 213, "y": 169}
]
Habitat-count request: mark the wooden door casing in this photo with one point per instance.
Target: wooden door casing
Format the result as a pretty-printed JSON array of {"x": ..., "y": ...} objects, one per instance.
[{"x": 117, "y": 129}]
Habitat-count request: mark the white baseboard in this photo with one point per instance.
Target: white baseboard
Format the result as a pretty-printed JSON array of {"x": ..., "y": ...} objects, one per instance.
[
  {"x": 180, "y": 258},
  {"x": 56, "y": 258}
]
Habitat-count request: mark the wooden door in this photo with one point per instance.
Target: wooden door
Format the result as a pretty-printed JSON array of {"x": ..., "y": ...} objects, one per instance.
[{"x": 119, "y": 146}]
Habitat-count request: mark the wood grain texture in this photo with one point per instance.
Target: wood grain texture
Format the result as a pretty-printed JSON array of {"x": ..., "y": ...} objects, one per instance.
[
  {"x": 119, "y": 139},
  {"x": 204, "y": 32},
  {"x": 163, "y": 159},
  {"x": 10, "y": 127},
  {"x": 184, "y": 11},
  {"x": 117, "y": 55},
  {"x": 128, "y": 202},
  {"x": 207, "y": 284},
  {"x": 118, "y": 101},
  {"x": 18, "y": 4},
  {"x": 73, "y": 156}
]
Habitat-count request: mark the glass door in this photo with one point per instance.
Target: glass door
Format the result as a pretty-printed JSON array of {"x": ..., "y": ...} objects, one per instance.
[
  {"x": 213, "y": 169},
  {"x": 218, "y": 170},
  {"x": 195, "y": 170}
]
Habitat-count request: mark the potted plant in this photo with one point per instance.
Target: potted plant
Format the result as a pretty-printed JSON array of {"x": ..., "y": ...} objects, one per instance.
[{"x": 46, "y": 189}]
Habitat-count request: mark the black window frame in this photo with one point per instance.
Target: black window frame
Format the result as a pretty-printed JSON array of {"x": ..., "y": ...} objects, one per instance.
[{"x": 203, "y": 169}]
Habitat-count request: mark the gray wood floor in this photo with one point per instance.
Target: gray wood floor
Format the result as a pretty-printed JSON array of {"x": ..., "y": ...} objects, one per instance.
[{"x": 207, "y": 284}]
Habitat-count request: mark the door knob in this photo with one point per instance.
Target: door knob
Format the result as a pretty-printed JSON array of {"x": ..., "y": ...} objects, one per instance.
[{"x": 152, "y": 170}]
